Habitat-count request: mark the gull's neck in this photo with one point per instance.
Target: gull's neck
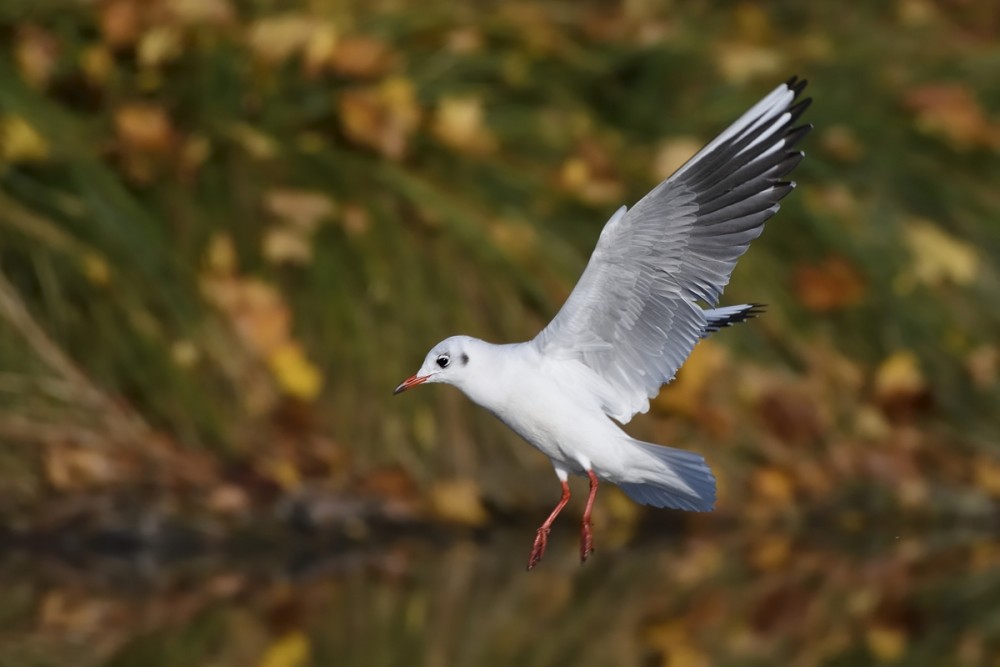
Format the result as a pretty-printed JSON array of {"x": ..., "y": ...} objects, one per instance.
[{"x": 492, "y": 373}]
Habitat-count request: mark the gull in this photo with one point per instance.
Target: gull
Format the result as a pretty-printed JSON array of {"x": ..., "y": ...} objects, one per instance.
[{"x": 633, "y": 318}]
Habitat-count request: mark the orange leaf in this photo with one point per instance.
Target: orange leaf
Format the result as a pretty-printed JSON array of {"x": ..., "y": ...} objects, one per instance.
[
  {"x": 144, "y": 127},
  {"x": 361, "y": 57},
  {"x": 830, "y": 285},
  {"x": 774, "y": 486},
  {"x": 458, "y": 501},
  {"x": 951, "y": 111},
  {"x": 36, "y": 51},
  {"x": 381, "y": 117}
]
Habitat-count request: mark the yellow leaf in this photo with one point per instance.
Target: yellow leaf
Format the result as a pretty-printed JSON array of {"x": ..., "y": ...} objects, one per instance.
[
  {"x": 618, "y": 517},
  {"x": 752, "y": 23},
  {"x": 320, "y": 48},
  {"x": 283, "y": 472},
  {"x": 296, "y": 375},
  {"x": 255, "y": 309},
  {"x": 673, "y": 638},
  {"x": 253, "y": 141},
  {"x": 986, "y": 473},
  {"x": 96, "y": 269},
  {"x": 899, "y": 376},
  {"x": 381, "y": 117},
  {"x": 939, "y": 257},
  {"x": 739, "y": 63},
  {"x": 887, "y": 643},
  {"x": 220, "y": 257},
  {"x": 575, "y": 173},
  {"x": 673, "y": 153},
  {"x": 686, "y": 394},
  {"x": 774, "y": 486},
  {"x": 514, "y": 237},
  {"x": 590, "y": 174},
  {"x": 184, "y": 353},
  {"x": 20, "y": 141},
  {"x": 276, "y": 38},
  {"x": 194, "y": 12},
  {"x": 292, "y": 650},
  {"x": 301, "y": 208},
  {"x": 870, "y": 423},
  {"x": 686, "y": 654},
  {"x": 458, "y": 501},
  {"x": 160, "y": 45},
  {"x": 771, "y": 552},
  {"x": 916, "y": 13},
  {"x": 97, "y": 64},
  {"x": 459, "y": 123},
  {"x": 286, "y": 246}
]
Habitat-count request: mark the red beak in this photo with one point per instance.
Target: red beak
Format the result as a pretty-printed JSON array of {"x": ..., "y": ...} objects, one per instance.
[{"x": 410, "y": 382}]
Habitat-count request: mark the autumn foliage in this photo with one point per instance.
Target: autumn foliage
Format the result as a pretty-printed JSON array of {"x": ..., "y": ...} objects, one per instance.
[{"x": 229, "y": 230}]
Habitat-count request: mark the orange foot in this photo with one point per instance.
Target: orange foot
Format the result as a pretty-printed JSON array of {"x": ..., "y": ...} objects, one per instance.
[
  {"x": 586, "y": 543},
  {"x": 538, "y": 550}
]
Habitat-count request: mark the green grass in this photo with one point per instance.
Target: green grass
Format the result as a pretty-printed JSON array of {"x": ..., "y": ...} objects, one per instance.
[{"x": 369, "y": 305}]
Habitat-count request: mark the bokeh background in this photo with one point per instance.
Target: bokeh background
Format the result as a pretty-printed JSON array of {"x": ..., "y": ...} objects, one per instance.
[{"x": 229, "y": 228}]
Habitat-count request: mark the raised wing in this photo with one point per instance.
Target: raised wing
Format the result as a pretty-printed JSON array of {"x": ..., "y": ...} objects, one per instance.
[{"x": 633, "y": 317}]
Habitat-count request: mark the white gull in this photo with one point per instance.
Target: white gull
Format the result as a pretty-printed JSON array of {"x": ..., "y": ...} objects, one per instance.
[{"x": 633, "y": 318}]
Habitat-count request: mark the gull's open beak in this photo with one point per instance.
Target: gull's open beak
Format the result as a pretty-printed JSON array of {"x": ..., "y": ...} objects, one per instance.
[{"x": 410, "y": 382}]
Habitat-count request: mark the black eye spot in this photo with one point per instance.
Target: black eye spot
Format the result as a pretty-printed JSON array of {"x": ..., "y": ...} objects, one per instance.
[
  {"x": 464, "y": 358},
  {"x": 443, "y": 361}
]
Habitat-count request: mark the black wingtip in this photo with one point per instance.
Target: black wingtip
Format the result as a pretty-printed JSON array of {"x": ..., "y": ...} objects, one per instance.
[
  {"x": 796, "y": 85},
  {"x": 751, "y": 311},
  {"x": 795, "y": 134},
  {"x": 799, "y": 107}
]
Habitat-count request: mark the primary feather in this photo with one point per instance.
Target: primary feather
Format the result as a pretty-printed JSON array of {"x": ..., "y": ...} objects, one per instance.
[{"x": 633, "y": 317}]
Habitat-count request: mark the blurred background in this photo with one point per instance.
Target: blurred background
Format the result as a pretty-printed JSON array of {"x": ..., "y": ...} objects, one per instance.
[{"x": 229, "y": 228}]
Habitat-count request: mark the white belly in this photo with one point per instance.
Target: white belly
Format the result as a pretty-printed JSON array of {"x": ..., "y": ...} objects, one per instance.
[
  {"x": 554, "y": 405},
  {"x": 575, "y": 435}
]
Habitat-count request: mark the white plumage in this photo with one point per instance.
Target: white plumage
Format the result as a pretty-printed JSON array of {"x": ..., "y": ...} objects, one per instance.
[{"x": 634, "y": 317}]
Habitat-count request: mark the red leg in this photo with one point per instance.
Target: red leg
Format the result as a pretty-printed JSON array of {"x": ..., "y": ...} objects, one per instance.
[
  {"x": 586, "y": 538},
  {"x": 542, "y": 536}
]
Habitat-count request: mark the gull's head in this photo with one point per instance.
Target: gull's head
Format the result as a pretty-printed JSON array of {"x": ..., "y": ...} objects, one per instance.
[{"x": 447, "y": 362}]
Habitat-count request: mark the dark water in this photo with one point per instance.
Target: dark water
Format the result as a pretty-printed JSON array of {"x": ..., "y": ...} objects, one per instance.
[{"x": 727, "y": 594}]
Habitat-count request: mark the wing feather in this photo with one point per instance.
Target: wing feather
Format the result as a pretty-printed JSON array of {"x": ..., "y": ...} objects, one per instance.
[{"x": 633, "y": 318}]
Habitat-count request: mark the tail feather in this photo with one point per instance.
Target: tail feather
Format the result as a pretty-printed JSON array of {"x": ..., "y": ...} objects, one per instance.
[
  {"x": 676, "y": 478},
  {"x": 720, "y": 318}
]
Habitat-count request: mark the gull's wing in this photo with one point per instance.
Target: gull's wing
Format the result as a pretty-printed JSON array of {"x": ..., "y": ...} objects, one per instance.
[{"x": 633, "y": 317}]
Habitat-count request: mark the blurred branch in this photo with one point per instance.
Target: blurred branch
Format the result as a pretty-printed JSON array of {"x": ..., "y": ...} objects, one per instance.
[
  {"x": 123, "y": 425},
  {"x": 35, "y": 226}
]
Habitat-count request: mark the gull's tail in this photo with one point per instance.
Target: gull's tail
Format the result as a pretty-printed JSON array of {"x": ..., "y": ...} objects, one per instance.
[
  {"x": 720, "y": 318},
  {"x": 671, "y": 478}
]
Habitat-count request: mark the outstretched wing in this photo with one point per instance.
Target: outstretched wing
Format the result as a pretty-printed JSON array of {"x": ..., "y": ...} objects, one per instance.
[{"x": 633, "y": 317}]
